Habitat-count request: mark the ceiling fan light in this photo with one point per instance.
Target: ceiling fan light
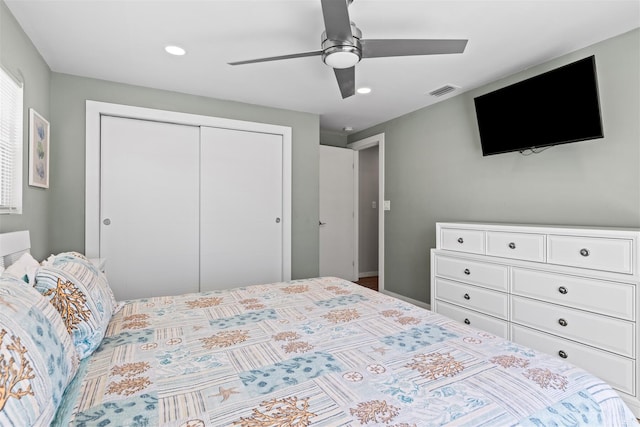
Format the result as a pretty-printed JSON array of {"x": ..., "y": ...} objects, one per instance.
[{"x": 341, "y": 58}]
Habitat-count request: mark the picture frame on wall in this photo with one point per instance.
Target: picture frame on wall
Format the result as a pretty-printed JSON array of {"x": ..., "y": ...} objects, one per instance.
[{"x": 38, "y": 150}]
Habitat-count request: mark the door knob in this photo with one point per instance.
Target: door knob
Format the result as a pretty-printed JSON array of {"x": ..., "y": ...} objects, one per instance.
[
  {"x": 106, "y": 221},
  {"x": 277, "y": 220}
]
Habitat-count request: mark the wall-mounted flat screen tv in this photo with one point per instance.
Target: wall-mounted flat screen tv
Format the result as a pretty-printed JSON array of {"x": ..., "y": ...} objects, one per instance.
[{"x": 556, "y": 107}]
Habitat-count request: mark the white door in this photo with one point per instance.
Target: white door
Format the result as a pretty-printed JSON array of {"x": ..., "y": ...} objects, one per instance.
[
  {"x": 241, "y": 209},
  {"x": 337, "y": 215},
  {"x": 149, "y": 209}
]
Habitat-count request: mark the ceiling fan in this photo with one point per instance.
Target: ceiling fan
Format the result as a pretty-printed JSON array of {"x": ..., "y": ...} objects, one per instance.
[{"x": 343, "y": 46}]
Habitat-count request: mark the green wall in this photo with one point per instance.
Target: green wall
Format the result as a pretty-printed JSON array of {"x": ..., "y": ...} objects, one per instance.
[
  {"x": 68, "y": 96},
  {"x": 21, "y": 58},
  {"x": 334, "y": 139},
  {"x": 435, "y": 171}
]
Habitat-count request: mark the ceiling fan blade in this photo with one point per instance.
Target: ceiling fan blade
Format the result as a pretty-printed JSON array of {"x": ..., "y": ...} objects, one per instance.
[
  {"x": 336, "y": 20},
  {"x": 346, "y": 80},
  {"x": 397, "y": 47},
  {"x": 277, "y": 58}
]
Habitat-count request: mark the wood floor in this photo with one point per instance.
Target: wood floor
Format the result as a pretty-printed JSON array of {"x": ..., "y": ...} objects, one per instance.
[{"x": 369, "y": 282}]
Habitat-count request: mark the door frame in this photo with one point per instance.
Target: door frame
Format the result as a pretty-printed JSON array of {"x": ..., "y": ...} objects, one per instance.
[
  {"x": 96, "y": 109},
  {"x": 359, "y": 145}
]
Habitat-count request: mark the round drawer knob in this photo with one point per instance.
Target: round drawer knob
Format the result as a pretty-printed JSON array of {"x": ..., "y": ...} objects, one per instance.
[
  {"x": 460, "y": 240},
  {"x": 563, "y": 290},
  {"x": 512, "y": 245},
  {"x": 467, "y": 297},
  {"x": 563, "y": 354},
  {"x": 584, "y": 252},
  {"x": 467, "y": 271},
  {"x": 563, "y": 322},
  {"x": 467, "y": 321}
]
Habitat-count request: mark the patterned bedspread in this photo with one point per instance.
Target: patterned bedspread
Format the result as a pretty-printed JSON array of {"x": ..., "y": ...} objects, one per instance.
[{"x": 321, "y": 352}]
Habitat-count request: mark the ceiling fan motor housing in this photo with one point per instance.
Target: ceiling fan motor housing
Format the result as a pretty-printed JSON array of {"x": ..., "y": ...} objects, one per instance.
[{"x": 342, "y": 53}]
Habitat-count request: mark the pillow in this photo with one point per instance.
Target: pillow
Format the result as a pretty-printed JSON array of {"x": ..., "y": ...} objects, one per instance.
[
  {"x": 24, "y": 268},
  {"x": 82, "y": 296},
  {"x": 37, "y": 356},
  {"x": 65, "y": 256}
]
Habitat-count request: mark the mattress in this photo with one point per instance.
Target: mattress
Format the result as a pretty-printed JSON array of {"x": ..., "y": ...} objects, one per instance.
[{"x": 321, "y": 352}]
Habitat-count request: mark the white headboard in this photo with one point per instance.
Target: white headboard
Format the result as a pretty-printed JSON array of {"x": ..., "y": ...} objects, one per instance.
[{"x": 13, "y": 245}]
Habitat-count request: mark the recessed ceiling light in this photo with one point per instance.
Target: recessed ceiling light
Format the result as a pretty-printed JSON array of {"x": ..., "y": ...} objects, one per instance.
[
  {"x": 364, "y": 90},
  {"x": 175, "y": 50},
  {"x": 347, "y": 128}
]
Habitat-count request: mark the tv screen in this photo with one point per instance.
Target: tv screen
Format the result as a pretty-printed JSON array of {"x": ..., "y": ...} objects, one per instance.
[{"x": 556, "y": 107}]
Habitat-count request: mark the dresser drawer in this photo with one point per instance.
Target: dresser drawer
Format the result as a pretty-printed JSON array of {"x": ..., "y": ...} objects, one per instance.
[
  {"x": 473, "y": 297},
  {"x": 616, "y": 370},
  {"x": 473, "y": 318},
  {"x": 591, "y": 252},
  {"x": 608, "y": 333},
  {"x": 493, "y": 276},
  {"x": 459, "y": 239},
  {"x": 610, "y": 298},
  {"x": 525, "y": 246}
]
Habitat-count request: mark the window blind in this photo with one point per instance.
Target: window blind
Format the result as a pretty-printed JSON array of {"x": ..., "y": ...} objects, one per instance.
[{"x": 11, "y": 113}]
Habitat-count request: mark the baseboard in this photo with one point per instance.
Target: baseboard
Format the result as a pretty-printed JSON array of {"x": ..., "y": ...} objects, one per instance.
[
  {"x": 407, "y": 299},
  {"x": 367, "y": 274}
]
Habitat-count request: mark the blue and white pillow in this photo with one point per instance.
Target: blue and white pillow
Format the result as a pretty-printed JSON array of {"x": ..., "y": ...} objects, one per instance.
[
  {"x": 36, "y": 353},
  {"x": 82, "y": 296}
]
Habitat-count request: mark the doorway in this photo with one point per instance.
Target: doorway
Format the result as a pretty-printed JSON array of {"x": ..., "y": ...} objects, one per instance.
[
  {"x": 367, "y": 203},
  {"x": 367, "y": 199}
]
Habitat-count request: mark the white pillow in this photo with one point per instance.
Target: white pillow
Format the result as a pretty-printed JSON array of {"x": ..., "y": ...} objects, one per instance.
[{"x": 24, "y": 268}]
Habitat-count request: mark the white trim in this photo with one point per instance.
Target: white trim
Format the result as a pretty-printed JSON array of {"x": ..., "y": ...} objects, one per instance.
[
  {"x": 95, "y": 109},
  {"x": 363, "y": 144},
  {"x": 407, "y": 299}
]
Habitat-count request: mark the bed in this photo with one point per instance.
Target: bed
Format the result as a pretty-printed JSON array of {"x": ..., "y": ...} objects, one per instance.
[{"x": 321, "y": 352}]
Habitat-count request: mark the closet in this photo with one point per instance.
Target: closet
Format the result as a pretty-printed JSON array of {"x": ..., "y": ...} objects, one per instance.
[{"x": 187, "y": 207}]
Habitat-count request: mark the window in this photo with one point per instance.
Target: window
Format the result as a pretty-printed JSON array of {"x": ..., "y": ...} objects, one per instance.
[{"x": 11, "y": 93}]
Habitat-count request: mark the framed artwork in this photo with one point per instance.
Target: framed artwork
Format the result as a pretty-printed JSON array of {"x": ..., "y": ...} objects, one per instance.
[{"x": 38, "y": 150}]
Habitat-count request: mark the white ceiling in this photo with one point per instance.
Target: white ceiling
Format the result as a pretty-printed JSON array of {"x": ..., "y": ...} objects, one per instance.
[{"x": 124, "y": 41}]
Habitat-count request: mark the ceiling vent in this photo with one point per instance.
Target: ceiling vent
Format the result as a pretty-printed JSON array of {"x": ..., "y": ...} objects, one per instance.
[{"x": 441, "y": 91}]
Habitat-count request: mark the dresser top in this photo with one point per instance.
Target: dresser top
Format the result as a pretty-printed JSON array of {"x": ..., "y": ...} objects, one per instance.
[{"x": 543, "y": 228}]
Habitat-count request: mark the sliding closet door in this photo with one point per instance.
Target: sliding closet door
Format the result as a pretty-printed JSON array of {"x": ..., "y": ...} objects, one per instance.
[
  {"x": 149, "y": 207},
  {"x": 241, "y": 206}
]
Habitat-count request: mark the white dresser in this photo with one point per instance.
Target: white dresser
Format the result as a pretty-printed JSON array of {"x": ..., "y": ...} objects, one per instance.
[{"x": 567, "y": 291}]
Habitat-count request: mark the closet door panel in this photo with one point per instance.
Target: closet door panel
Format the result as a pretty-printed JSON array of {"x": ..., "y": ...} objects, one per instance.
[
  {"x": 241, "y": 208},
  {"x": 149, "y": 207}
]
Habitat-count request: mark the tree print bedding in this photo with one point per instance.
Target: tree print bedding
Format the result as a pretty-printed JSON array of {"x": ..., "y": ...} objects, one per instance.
[{"x": 320, "y": 352}]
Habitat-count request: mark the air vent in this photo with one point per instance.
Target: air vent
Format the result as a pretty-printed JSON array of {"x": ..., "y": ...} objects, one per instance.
[{"x": 441, "y": 91}]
